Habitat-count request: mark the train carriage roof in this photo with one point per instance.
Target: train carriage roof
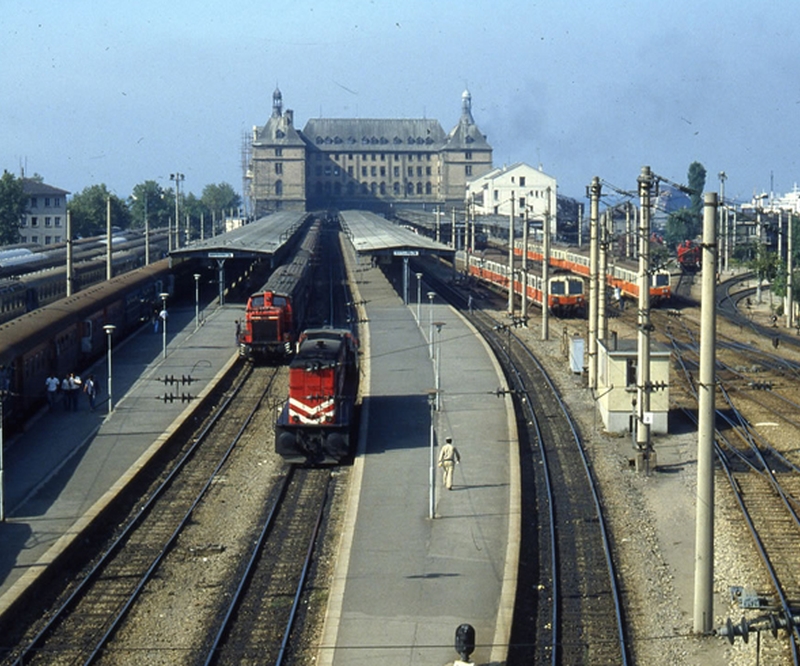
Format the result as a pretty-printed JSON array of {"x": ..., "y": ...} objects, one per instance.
[{"x": 43, "y": 323}]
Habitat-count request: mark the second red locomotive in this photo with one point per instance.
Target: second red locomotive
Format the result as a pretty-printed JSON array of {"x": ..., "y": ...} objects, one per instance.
[{"x": 275, "y": 313}]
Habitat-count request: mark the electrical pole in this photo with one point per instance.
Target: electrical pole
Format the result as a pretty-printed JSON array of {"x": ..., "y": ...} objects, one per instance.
[
  {"x": 524, "y": 265},
  {"x": 789, "y": 272},
  {"x": 645, "y": 456},
  {"x": 546, "y": 269},
  {"x": 511, "y": 258},
  {"x": 177, "y": 178},
  {"x": 602, "y": 280},
  {"x": 70, "y": 277},
  {"x": 594, "y": 204},
  {"x": 109, "y": 270},
  {"x": 723, "y": 219},
  {"x": 704, "y": 525}
]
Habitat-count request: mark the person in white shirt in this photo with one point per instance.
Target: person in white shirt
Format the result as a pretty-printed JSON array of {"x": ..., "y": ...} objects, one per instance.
[{"x": 52, "y": 384}]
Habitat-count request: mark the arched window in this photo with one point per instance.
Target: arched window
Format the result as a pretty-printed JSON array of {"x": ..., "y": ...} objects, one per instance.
[
  {"x": 428, "y": 188},
  {"x": 351, "y": 188},
  {"x": 396, "y": 188},
  {"x": 419, "y": 188},
  {"x": 278, "y": 188},
  {"x": 337, "y": 189},
  {"x": 410, "y": 188},
  {"x": 383, "y": 188}
]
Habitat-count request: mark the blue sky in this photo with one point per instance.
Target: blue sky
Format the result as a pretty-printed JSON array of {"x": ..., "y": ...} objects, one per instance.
[{"x": 119, "y": 93}]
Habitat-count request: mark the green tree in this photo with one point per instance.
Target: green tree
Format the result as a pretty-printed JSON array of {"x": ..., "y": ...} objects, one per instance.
[
  {"x": 12, "y": 208},
  {"x": 219, "y": 199},
  {"x": 697, "y": 182},
  {"x": 159, "y": 203},
  {"x": 88, "y": 211},
  {"x": 687, "y": 223}
]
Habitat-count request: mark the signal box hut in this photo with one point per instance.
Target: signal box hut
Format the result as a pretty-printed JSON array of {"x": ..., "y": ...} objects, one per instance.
[{"x": 616, "y": 385}]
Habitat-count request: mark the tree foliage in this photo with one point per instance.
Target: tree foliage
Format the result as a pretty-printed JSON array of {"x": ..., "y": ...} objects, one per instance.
[
  {"x": 697, "y": 182},
  {"x": 220, "y": 198},
  {"x": 89, "y": 211},
  {"x": 687, "y": 223},
  {"x": 150, "y": 198},
  {"x": 12, "y": 208}
]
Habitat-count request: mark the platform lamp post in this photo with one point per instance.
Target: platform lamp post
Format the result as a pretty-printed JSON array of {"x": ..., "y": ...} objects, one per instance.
[
  {"x": 164, "y": 296},
  {"x": 109, "y": 329},
  {"x": 196, "y": 301},
  {"x": 431, "y": 294},
  {"x": 438, "y": 362},
  {"x": 419, "y": 293},
  {"x": 432, "y": 397}
]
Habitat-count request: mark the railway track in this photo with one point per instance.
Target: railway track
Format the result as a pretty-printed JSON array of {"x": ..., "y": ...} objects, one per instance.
[
  {"x": 567, "y": 611},
  {"x": 756, "y": 451},
  {"x": 211, "y": 567},
  {"x": 95, "y": 620}
]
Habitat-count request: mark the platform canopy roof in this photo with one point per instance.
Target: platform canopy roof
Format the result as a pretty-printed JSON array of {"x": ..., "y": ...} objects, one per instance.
[
  {"x": 372, "y": 234},
  {"x": 265, "y": 236}
]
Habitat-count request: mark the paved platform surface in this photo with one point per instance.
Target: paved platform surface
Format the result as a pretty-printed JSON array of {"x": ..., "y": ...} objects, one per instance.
[
  {"x": 404, "y": 582},
  {"x": 62, "y": 470}
]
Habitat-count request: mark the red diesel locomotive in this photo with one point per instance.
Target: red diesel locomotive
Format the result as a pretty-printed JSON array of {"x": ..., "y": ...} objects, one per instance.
[
  {"x": 275, "y": 314},
  {"x": 318, "y": 422}
]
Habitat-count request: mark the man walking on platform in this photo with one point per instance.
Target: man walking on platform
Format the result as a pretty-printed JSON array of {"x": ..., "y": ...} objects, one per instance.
[{"x": 448, "y": 459}]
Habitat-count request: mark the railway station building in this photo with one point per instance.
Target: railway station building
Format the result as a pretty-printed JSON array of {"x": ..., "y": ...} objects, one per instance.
[{"x": 373, "y": 164}]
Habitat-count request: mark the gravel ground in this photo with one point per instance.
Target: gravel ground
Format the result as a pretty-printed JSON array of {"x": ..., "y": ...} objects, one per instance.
[{"x": 652, "y": 519}]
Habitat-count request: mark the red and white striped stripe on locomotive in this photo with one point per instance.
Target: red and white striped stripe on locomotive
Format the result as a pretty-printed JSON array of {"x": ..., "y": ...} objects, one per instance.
[{"x": 317, "y": 424}]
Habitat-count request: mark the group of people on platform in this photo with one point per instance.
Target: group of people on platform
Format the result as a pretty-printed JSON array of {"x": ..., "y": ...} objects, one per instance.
[{"x": 69, "y": 389}]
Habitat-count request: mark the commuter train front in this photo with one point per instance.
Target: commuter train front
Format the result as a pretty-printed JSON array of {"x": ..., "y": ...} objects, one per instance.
[{"x": 317, "y": 424}]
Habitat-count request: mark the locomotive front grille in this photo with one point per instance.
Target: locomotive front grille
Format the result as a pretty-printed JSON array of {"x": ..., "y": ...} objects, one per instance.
[{"x": 264, "y": 330}]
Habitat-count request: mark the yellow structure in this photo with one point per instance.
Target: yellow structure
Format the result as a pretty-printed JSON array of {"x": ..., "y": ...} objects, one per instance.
[{"x": 616, "y": 385}]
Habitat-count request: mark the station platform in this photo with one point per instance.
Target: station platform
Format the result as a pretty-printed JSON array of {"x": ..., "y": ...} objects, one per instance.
[
  {"x": 63, "y": 469},
  {"x": 405, "y": 581}
]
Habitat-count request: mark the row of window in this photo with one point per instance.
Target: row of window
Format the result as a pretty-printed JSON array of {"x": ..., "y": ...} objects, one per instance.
[
  {"x": 374, "y": 189},
  {"x": 373, "y": 140},
  {"x": 48, "y": 221},
  {"x": 536, "y": 194},
  {"x": 421, "y": 157},
  {"x": 56, "y": 202},
  {"x": 328, "y": 170},
  {"x": 48, "y": 240}
]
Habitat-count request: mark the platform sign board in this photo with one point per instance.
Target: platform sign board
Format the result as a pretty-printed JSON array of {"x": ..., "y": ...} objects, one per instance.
[
  {"x": 220, "y": 255},
  {"x": 406, "y": 253}
]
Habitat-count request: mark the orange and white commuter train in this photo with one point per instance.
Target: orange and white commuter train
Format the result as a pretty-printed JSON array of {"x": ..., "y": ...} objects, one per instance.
[
  {"x": 565, "y": 297},
  {"x": 622, "y": 275}
]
